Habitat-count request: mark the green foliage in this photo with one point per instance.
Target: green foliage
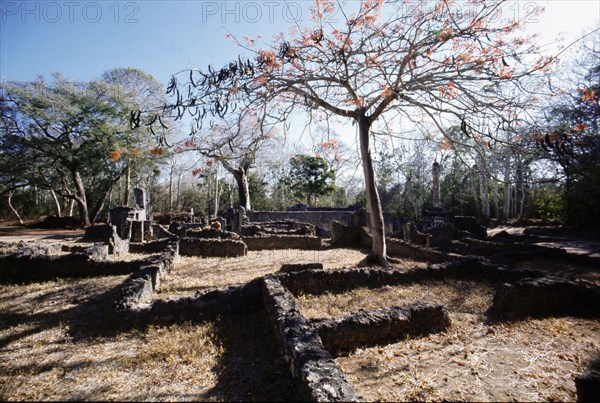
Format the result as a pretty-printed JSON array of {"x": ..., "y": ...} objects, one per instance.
[
  {"x": 310, "y": 177},
  {"x": 70, "y": 137},
  {"x": 548, "y": 203}
]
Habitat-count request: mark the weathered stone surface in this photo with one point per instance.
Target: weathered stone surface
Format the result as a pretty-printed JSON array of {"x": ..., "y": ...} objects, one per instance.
[
  {"x": 345, "y": 235},
  {"x": 206, "y": 304},
  {"x": 285, "y": 227},
  {"x": 285, "y": 268},
  {"x": 544, "y": 296},
  {"x": 400, "y": 248},
  {"x": 134, "y": 291},
  {"x": 156, "y": 246},
  {"x": 210, "y": 233},
  {"x": 316, "y": 375},
  {"x": 412, "y": 235},
  {"x": 470, "y": 224},
  {"x": 307, "y": 242},
  {"x": 32, "y": 248},
  {"x": 160, "y": 232},
  {"x": 369, "y": 328},
  {"x": 24, "y": 268},
  {"x": 212, "y": 247},
  {"x": 340, "y": 280},
  {"x": 108, "y": 234},
  {"x": 140, "y": 285},
  {"x": 137, "y": 231}
]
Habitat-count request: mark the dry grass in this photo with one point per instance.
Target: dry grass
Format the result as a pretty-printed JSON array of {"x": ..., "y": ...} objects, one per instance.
[
  {"x": 460, "y": 296},
  {"x": 534, "y": 360},
  {"x": 57, "y": 342},
  {"x": 192, "y": 274}
]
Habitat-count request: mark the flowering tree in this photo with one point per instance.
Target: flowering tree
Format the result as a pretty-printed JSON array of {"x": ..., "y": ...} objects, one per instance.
[
  {"x": 435, "y": 64},
  {"x": 235, "y": 142}
]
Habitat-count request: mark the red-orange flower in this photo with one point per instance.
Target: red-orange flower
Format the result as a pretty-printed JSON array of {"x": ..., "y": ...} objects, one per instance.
[
  {"x": 116, "y": 155},
  {"x": 587, "y": 94},
  {"x": 156, "y": 151}
]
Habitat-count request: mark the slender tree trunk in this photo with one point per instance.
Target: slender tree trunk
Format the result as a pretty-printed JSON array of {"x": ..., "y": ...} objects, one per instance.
[
  {"x": 95, "y": 213},
  {"x": 507, "y": 190},
  {"x": 177, "y": 199},
  {"x": 484, "y": 189},
  {"x": 496, "y": 202},
  {"x": 71, "y": 206},
  {"x": 14, "y": 210},
  {"x": 216, "y": 211},
  {"x": 127, "y": 186},
  {"x": 81, "y": 199},
  {"x": 378, "y": 249},
  {"x": 171, "y": 190},
  {"x": 56, "y": 203}
]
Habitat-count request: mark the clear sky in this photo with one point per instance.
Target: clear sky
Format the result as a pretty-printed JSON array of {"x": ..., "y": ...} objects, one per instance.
[{"x": 82, "y": 39}]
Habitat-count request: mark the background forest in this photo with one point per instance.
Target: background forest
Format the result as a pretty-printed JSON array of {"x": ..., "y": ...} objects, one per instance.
[{"x": 71, "y": 149}]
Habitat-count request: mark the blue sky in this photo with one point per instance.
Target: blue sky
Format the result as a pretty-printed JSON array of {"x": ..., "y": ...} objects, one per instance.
[{"x": 82, "y": 39}]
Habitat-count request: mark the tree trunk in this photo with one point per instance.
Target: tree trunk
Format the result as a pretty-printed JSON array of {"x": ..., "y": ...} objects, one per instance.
[
  {"x": 241, "y": 178},
  {"x": 81, "y": 199},
  {"x": 216, "y": 211},
  {"x": 378, "y": 249},
  {"x": 14, "y": 210},
  {"x": 507, "y": 190},
  {"x": 95, "y": 214},
  {"x": 484, "y": 190},
  {"x": 171, "y": 189},
  {"x": 496, "y": 202},
  {"x": 56, "y": 203},
  {"x": 127, "y": 186}
]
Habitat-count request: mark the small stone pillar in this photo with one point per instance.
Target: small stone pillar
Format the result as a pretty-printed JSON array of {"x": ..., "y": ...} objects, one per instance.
[{"x": 140, "y": 202}]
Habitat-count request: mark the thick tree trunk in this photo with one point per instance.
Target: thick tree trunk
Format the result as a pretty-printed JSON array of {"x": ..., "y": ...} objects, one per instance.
[
  {"x": 56, "y": 203},
  {"x": 14, "y": 210},
  {"x": 378, "y": 249},
  {"x": 241, "y": 178},
  {"x": 80, "y": 199}
]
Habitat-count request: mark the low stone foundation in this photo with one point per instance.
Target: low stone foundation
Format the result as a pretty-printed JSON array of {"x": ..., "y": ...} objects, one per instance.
[
  {"x": 286, "y": 268},
  {"x": 205, "y": 305},
  {"x": 383, "y": 326},
  {"x": 156, "y": 246},
  {"x": 546, "y": 297},
  {"x": 316, "y": 375},
  {"x": 318, "y": 282},
  {"x": 140, "y": 285},
  {"x": 107, "y": 234},
  {"x": 400, "y": 248},
  {"x": 307, "y": 242},
  {"x": 212, "y": 247}
]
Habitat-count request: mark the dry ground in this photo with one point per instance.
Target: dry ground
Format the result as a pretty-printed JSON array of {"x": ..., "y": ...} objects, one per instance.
[{"x": 58, "y": 342}]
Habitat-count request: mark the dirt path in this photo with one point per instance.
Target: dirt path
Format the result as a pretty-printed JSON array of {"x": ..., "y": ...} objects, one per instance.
[{"x": 16, "y": 233}]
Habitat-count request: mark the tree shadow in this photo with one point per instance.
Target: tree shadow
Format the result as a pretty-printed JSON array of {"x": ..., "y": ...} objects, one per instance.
[
  {"x": 251, "y": 367},
  {"x": 94, "y": 316}
]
